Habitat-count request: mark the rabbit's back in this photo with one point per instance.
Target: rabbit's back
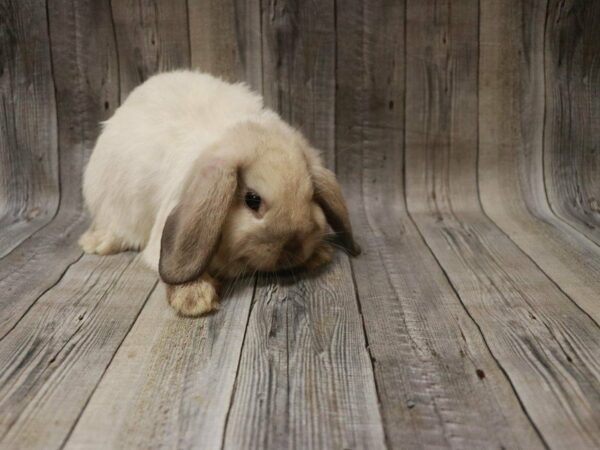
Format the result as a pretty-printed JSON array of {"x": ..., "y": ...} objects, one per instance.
[{"x": 145, "y": 148}]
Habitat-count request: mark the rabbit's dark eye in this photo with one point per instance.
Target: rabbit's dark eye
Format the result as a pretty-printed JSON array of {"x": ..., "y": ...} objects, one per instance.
[{"x": 252, "y": 200}]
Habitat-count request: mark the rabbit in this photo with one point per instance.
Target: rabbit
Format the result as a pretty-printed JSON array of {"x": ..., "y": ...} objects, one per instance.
[{"x": 209, "y": 184}]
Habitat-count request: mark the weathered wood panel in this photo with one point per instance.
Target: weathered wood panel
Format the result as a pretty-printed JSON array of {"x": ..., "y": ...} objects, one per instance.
[
  {"x": 171, "y": 382},
  {"x": 86, "y": 68},
  {"x": 28, "y": 140},
  {"x": 572, "y": 133},
  {"x": 525, "y": 319},
  {"x": 474, "y": 328},
  {"x": 438, "y": 384},
  {"x": 152, "y": 36},
  {"x": 528, "y": 325},
  {"x": 51, "y": 362},
  {"x": 85, "y": 75},
  {"x": 298, "y": 57},
  {"x": 441, "y": 105},
  {"x": 224, "y": 37},
  {"x": 85, "y": 72},
  {"x": 511, "y": 155},
  {"x": 305, "y": 379},
  {"x": 87, "y": 84}
]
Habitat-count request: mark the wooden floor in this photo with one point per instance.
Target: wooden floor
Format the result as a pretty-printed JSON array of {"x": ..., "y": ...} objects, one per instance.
[{"x": 465, "y": 138}]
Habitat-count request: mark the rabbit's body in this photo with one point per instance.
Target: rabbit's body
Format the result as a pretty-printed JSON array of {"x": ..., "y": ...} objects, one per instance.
[
  {"x": 196, "y": 173},
  {"x": 147, "y": 147}
]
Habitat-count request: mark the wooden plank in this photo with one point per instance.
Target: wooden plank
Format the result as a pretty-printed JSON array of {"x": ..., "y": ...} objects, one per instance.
[
  {"x": 224, "y": 36},
  {"x": 170, "y": 384},
  {"x": 441, "y": 105},
  {"x": 52, "y": 361},
  {"x": 152, "y": 36},
  {"x": 28, "y": 141},
  {"x": 572, "y": 126},
  {"x": 547, "y": 346},
  {"x": 511, "y": 173},
  {"x": 36, "y": 266},
  {"x": 87, "y": 84},
  {"x": 85, "y": 74},
  {"x": 305, "y": 379},
  {"x": 438, "y": 384},
  {"x": 298, "y": 40}
]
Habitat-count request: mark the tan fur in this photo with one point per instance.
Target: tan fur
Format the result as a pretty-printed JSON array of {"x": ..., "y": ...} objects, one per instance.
[
  {"x": 180, "y": 154},
  {"x": 287, "y": 232},
  {"x": 193, "y": 228},
  {"x": 194, "y": 298},
  {"x": 268, "y": 157},
  {"x": 329, "y": 196}
]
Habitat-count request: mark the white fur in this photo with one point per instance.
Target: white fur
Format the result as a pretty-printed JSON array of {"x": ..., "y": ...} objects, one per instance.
[{"x": 135, "y": 174}]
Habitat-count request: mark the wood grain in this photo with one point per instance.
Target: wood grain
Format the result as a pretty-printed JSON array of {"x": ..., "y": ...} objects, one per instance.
[
  {"x": 152, "y": 36},
  {"x": 464, "y": 134},
  {"x": 171, "y": 382},
  {"x": 28, "y": 138},
  {"x": 511, "y": 151},
  {"x": 305, "y": 379},
  {"x": 298, "y": 54},
  {"x": 225, "y": 39},
  {"x": 572, "y": 125},
  {"x": 53, "y": 359},
  {"x": 85, "y": 78},
  {"x": 438, "y": 384},
  {"x": 525, "y": 319},
  {"x": 87, "y": 84}
]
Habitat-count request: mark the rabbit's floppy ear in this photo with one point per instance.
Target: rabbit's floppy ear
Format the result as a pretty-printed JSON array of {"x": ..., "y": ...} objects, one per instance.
[
  {"x": 193, "y": 229},
  {"x": 328, "y": 196}
]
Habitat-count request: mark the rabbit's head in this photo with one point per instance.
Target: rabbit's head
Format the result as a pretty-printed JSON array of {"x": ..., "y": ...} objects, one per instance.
[{"x": 258, "y": 200}]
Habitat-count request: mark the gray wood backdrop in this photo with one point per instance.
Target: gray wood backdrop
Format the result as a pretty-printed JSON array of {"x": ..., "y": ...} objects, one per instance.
[
  {"x": 466, "y": 134},
  {"x": 481, "y": 86}
]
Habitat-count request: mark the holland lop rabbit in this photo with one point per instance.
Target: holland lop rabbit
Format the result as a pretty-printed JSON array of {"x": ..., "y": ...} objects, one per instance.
[{"x": 210, "y": 184}]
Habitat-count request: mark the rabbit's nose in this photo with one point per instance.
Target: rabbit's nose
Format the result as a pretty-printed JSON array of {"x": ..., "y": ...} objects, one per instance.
[
  {"x": 293, "y": 245},
  {"x": 290, "y": 251}
]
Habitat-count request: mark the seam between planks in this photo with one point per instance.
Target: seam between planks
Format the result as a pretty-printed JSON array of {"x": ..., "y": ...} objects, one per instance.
[
  {"x": 371, "y": 358},
  {"x": 189, "y": 33},
  {"x": 362, "y": 196},
  {"x": 524, "y": 409},
  {"x": 41, "y": 295},
  {"x": 335, "y": 87},
  {"x": 350, "y": 263},
  {"x": 237, "y": 369},
  {"x": 58, "y": 149},
  {"x": 60, "y": 349},
  {"x": 117, "y": 57},
  {"x": 540, "y": 269},
  {"x": 92, "y": 392},
  {"x": 543, "y": 440}
]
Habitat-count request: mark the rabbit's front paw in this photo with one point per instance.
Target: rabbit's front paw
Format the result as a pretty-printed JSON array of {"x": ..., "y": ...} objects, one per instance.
[
  {"x": 101, "y": 242},
  {"x": 194, "y": 298}
]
